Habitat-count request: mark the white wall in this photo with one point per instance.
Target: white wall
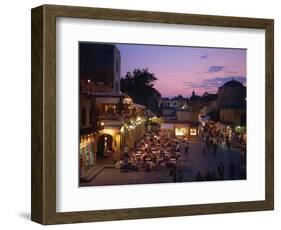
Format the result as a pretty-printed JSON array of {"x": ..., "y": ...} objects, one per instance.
[{"x": 15, "y": 113}]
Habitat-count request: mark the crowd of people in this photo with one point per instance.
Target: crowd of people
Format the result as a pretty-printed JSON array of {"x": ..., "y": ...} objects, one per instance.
[
  {"x": 219, "y": 173},
  {"x": 214, "y": 135},
  {"x": 159, "y": 149},
  {"x": 156, "y": 150}
]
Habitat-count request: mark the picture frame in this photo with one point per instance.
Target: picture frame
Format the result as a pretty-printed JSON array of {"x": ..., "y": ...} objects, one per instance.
[{"x": 43, "y": 160}]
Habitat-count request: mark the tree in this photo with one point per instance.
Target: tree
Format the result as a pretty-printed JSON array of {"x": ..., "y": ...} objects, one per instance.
[{"x": 139, "y": 85}]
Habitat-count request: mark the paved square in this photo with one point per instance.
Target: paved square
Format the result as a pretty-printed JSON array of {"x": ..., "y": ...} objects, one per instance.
[{"x": 189, "y": 164}]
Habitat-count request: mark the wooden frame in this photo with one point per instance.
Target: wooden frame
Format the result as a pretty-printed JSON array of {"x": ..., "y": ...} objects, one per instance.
[{"x": 43, "y": 208}]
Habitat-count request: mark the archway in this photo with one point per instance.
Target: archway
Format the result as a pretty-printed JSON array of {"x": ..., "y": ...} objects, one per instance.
[{"x": 104, "y": 146}]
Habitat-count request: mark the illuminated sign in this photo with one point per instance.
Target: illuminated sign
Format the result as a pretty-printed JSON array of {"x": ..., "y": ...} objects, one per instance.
[
  {"x": 181, "y": 131},
  {"x": 193, "y": 132}
]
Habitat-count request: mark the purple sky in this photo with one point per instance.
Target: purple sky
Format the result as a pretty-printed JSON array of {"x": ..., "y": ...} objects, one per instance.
[{"x": 180, "y": 70}]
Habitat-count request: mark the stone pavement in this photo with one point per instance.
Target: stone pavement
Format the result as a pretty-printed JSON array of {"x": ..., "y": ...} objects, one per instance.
[
  {"x": 189, "y": 163},
  {"x": 89, "y": 174}
]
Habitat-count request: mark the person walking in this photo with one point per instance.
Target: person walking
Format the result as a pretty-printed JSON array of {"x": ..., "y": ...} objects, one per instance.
[
  {"x": 214, "y": 175},
  {"x": 186, "y": 147},
  {"x": 198, "y": 176},
  {"x": 215, "y": 147},
  {"x": 180, "y": 176},
  {"x": 208, "y": 144},
  {"x": 228, "y": 143},
  {"x": 208, "y": 176},
  {"x": 231, "y": 170},
  {"x": 221, "y": 171},
  {"x": 173, "y": 172},
  {"x": 126, "y": 149},
  {"x": 204, "y": 147}
]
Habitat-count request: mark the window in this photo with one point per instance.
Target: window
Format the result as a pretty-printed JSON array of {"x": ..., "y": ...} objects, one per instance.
[
  {"x": 83, "y": 116},
  {"x": 181, "y": 131},
  {"x": 193, "y": 132}
]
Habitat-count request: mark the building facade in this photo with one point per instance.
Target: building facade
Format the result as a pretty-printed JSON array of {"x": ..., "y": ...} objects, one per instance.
[
  {"x": 186, "y": 115},
  {"x": 87, "y": 158},
  {"x": 174, "y": 103},
  {"x": 109, "y": 120},
  {"x": 185, "y": 129},
  {"x": 232, "y": 103},
  {"x": 99, "y": 68}
]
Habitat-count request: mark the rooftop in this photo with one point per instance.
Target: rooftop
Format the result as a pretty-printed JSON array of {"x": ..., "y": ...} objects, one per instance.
[{"x": 233, "y": 83}]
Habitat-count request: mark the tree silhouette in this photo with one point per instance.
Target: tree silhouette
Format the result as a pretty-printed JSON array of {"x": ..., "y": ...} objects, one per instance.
[{"x": 139, "y": 85}]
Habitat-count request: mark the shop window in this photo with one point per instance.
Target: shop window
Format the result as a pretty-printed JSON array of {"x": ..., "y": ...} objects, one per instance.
[
  {"x": 181, "y": 131},
  {"x": 193, "y": 132}
]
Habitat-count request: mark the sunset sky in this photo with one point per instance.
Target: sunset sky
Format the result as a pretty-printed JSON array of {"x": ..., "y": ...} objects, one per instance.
[{"x": 180, "y": 70}]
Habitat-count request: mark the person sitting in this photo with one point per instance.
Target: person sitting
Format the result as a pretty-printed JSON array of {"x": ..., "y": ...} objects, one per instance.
[
  {"x": 126, "y": 157},
  {"x": 126, "y": 149}
]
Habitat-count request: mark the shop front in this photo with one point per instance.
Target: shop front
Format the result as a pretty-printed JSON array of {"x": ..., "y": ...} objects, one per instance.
[
  {"x": 181, "y": 131},
  {"x": 86, "y": 155},
  {"x": 187, "y": 130}
]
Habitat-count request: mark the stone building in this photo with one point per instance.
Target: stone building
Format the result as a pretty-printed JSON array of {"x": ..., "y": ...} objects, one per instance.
[
  {"x": 174, "y": 103},
  {"x": 99, "y": 65},
  {"x": 169, "y": 107},
  {"x": 109, "y": 120},
  {"x": 232, "y": 103}
]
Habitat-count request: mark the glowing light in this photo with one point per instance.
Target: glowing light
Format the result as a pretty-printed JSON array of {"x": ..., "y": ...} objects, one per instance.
[
  {"x": 181, "y": 131},
  {"x": 193, "y": 132},
  {"x": 102, "y": 123}
]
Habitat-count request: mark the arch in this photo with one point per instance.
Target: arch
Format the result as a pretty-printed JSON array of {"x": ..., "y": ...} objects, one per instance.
[{"x": 104, "y": 146}]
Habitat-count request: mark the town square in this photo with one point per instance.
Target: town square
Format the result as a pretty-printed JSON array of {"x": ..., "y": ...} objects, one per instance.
[{"x": 137, "y": 126}]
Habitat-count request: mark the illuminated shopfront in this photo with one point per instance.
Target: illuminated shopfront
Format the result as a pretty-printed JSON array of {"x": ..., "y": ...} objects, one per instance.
[
  {"x": 193, "y": 131},
  {"x": 87, "y": 151},
  {"x": 181, "y": 131},
  {"x": 188, "y": 130}
]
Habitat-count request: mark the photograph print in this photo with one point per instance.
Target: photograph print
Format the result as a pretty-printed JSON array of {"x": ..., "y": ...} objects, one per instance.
[{"x": 161, "y": 114}]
